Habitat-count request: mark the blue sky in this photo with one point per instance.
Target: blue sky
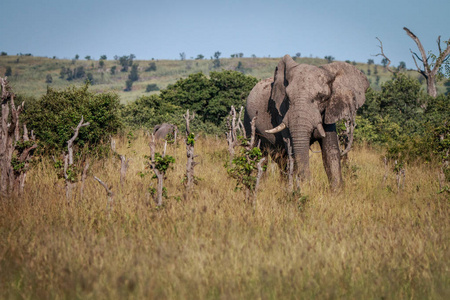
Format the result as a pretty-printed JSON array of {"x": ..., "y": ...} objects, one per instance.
[{"x": 165, "y": 28}]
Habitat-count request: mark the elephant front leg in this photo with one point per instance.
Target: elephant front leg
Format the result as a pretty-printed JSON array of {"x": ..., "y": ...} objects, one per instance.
[{"x": 331, "y": 156}]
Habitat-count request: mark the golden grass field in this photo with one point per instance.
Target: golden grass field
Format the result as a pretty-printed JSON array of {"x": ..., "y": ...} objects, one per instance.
[{"x": 370, "y": 241}]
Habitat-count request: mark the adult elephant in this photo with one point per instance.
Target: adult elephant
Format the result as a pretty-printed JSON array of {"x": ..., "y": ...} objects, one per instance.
[
  {"x": 162, "y": 130},
  {"x": 302, "y": 103}
]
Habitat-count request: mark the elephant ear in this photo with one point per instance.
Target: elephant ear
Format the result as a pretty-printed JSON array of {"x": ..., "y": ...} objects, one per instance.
[
  {"x": 348, "y": 92},
  {"x": 281, "y": 80},
  {"x": 156, "y": 128}
]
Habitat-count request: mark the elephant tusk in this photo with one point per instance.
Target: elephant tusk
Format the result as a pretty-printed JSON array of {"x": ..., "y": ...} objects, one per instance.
[
  {"x": 321, "y": 130},
  {"x": 279, "y": 128}
]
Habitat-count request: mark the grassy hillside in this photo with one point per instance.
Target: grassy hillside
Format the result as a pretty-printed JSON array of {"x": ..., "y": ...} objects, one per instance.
[
  {"x": 373, "y": 240},
  {"x": 29, "y": 73}
]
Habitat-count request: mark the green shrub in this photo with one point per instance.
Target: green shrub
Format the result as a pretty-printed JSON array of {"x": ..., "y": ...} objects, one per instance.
[
  {"x": 152, "y": 87},
  {"x": 54, "y": 115},
  {"x": 148, "y": 111},
  {"x": 404, "y": 119},
  {"x": 211, "y": 98}
]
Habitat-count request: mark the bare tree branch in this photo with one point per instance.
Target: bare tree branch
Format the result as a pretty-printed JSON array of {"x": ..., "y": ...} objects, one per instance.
[
  {"x": 382, "y": 54},
  {"x": 419, "y": 45},
  {"x": 75, "y": 135}
]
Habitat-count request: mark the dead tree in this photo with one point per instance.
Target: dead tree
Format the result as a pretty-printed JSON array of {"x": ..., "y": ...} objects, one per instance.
[
  {"x": 429, "y": 71},
  {"x": 109, "y": 193},
  {"x": 190, "y": 164},
  {"x": 124, "y": 162},
  {"x": 400, "y": 175},
  {"x": 23, "y": 156},
  {"x": 240, "y": 124},
  {"x": 69, "y": 172},
  {"x": 159, "y": 168},
  {"x": 14, "y": 152},
  {"x": 232, "y": 139}
]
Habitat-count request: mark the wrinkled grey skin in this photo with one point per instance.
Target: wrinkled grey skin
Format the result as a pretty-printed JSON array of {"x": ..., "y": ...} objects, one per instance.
[
  {"x": 309, "y": 100},
  {"x": 162, "y": 130}
]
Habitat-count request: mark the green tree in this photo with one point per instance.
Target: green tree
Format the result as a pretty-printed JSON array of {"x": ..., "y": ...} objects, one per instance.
[
  {"x": 152, "y": 87},
  {"x": 48, "y": 78},
  {"x": 90, "y": 78},
  {"x": 200, "y": 57},
  {"x": 103, "y": 57},
  {"x": 79, "y": 72},
  {"x": 87, "y": 57},
  {"x": 134, "y": 75},
  {"x": 210, "y": 98},
  {"x": 126, "y": 62},
  {"x": 216, "y": 62},
  {"x": 401, "y": 66},
  {"x": 8, "y": 71},
  {"x": 151, "y": 67},
  {"x": 128, "y": 85},
  {"x": 192, "y": 93},
  {"x": 329, "y": 58},
  {"x": 148, "y": 111},
  {"x": 231, "y": 88}
]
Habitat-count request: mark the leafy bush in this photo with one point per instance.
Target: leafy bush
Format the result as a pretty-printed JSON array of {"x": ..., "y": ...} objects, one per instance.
[
  {"x": 211, "y": 98},
  {"x": 54, "y": 115},
  {"x": 152, "y": 87},
  {"x": 151, "y": 67},
  {"x": 148, "y": 111}
]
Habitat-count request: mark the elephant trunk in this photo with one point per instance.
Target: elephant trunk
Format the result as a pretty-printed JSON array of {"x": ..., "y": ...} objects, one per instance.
[
  {"x": 301, "y": 136},
  {"x": 304, "y": 120}
]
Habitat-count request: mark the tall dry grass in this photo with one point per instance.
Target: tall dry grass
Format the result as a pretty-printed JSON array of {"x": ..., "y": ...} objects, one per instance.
[{"x": 370, "y": 241}]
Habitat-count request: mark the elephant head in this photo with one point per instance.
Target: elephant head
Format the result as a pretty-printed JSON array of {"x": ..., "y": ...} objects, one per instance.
[{"x": 309, "y": 98}]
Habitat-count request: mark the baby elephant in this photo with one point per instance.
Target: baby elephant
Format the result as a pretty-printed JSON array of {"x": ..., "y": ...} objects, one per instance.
[{"x": 162, "y": 130}]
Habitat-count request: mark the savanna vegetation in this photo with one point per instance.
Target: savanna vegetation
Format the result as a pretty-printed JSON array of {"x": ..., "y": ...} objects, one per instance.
[{"x": 384, "y": 235}]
